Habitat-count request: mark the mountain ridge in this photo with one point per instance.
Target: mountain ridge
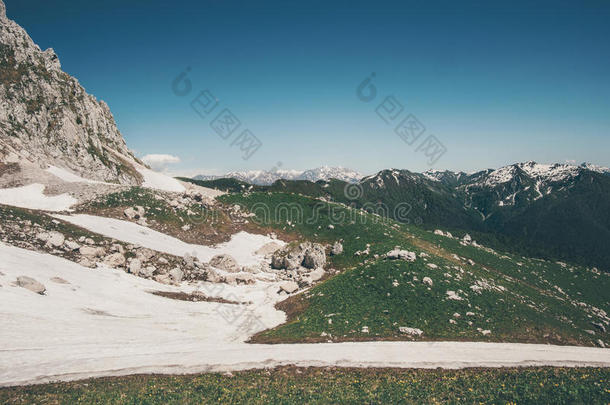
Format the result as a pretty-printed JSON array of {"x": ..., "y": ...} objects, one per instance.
[{"x": 268, "y": 177}]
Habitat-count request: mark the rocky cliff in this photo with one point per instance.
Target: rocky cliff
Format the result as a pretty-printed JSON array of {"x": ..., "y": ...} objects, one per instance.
[{"x": 47, "y": 117}]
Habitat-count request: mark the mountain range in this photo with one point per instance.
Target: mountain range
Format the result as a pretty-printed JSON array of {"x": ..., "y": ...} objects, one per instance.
[
  {"x": 268, "y": 177},
  {"x": 556, "y": 210}
]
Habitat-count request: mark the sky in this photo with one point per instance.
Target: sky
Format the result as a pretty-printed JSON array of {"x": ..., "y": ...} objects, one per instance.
[{"x": 489, "y": 83}]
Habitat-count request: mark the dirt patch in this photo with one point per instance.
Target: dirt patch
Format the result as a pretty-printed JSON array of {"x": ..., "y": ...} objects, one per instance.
[{"x": 195, "y": 297}]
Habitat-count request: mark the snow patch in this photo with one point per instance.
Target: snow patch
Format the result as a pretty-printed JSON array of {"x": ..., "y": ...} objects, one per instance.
[
  {"x": 32, "y": 197},
  {"x": 69, "y": 177},
  {"x": 242, "y": 246},
  {"x": 159, "y": 181}
]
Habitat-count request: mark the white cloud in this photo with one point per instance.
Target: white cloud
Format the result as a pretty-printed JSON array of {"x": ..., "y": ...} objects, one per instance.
[{"x": 159, "y": 162}]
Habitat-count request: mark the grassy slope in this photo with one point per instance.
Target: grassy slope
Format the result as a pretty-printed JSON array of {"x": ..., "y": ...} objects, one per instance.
[
  {"x": 519, "y": 303},
  {"x": 318, "y": 385}
]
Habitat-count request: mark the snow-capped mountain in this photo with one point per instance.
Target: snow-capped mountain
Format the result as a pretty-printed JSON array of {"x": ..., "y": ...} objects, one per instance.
[{"x": 267, "y": 177}]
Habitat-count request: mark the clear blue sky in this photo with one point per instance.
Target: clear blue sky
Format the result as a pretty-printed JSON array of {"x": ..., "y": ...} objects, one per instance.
[{"x": 495, "y": 83}]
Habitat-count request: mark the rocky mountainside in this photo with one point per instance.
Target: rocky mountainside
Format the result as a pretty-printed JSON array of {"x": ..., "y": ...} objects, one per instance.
[
  {"x": 47, "y": 117},
  {"x": 268, "y": 177}
]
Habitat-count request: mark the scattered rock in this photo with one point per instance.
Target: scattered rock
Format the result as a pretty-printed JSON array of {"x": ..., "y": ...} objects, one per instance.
[
  {"x": 427, "y": 281},
  {"x": 30, "y": 284},
  {"x": 600, "y": 343}
]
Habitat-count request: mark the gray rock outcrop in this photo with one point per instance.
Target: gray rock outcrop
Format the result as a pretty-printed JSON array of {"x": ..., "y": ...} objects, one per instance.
[
  {"x": 47, "y": 117},
  {"x": 294, "y": 256}
]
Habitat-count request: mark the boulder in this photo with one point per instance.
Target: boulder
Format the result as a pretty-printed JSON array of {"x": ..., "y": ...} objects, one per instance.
[
  {"x": 289, "y": 287},
  {"x": 140, "y": 211},
  {"x": 42, "y": 236},
  {"x": 176, "y": 274},
  {"x": 117, "y": 247},
  {"x": 239, "y": 278},
  {"x": 130, "y": 213},
  {"x": 71, "y": 245},
  {"x": 268, "y": 249},
  {"x": 85, "y": 262},
  {"x": 213, "y": 276},
  {"x": 398, "y": 254},
  {"x": 337, "y": 249},
  {"x": 147, "y": 271},
  {"x": 252, "y": 269},
  {"x": 163, "y": 279},
  {"x": 316, "y": 275},
  {"x": 427, "y": 281},
  {"x": 135, "y": 265},
  {"x": 189, "y": 261},
  {"x": 145, "y": 254},
  {"x": 56, "y": 239},
  {"x": 315, "y": 257},
  {"x": 225, "y": 262},
  {"x": 293, "y": 256},
  {"x": 30, "y": 284},
  {"x": 114, "y": 260},
  {"x": 91, "y": 252},
  {"x": 410, "y": 331}
]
